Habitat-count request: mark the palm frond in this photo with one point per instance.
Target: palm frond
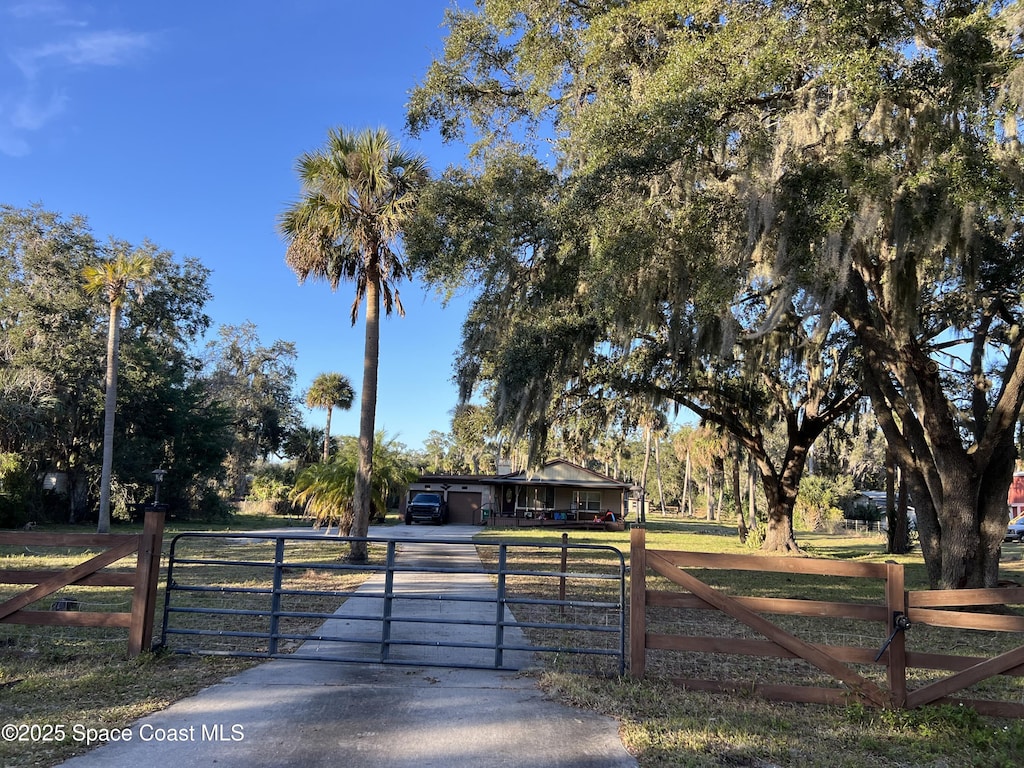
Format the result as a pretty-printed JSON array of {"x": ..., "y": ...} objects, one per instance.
[{"x": 358, "y": 191}]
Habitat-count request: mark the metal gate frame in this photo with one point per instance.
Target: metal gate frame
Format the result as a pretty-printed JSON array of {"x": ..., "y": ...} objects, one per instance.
[{"x": 505, "y": 649}]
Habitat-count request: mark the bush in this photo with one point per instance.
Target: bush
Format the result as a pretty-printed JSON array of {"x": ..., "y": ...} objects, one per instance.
[
  {"x": 269, "y": 492},
  {"x": 819, "y": 504},
  {"x": 213, "y": 507},
  {"x": 271, "y": 482},
  {"x": 755, "y": 536},
  {"x": 14, "y": 490}
]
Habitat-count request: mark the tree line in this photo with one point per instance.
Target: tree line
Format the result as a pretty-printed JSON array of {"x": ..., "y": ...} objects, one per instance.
[
  {"x": 764, "y": 212},
  {"x": 204, "y": 410}
]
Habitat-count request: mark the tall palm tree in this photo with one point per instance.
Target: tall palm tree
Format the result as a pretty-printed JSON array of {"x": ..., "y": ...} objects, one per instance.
[
  {"x": 115, "y": 279},
  {"x": 330, "y": 391},
  {"x": 358, "y": 193}
]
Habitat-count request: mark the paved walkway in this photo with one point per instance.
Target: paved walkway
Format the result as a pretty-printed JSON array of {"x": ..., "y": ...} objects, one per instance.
[{"x": 312, "y": 713}]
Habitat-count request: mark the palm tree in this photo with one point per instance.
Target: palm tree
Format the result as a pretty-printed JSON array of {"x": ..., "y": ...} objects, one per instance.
[
  {"x": 115, "y": 278},
  {"x": 304, "y": 445},
  {"x": 325, "y": 490},
  {"x": 330, "y": 391},
  {"x": 358, "y": 193}
]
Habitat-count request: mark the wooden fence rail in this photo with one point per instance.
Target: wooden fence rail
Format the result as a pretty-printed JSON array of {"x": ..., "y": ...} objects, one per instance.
[
  {"x": 143, "y": 581},
  {"x": 895, "y": 612}
]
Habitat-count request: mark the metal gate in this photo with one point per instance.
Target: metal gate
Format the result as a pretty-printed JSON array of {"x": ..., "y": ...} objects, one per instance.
[{"x": 422, "y": 602}]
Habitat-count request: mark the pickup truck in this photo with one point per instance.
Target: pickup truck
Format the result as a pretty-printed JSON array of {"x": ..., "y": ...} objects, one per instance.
[{"x": 426, "y": 508}]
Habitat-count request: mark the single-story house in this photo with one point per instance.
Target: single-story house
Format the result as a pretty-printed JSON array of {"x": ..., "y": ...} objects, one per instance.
[{"x": 557, "y": 491}]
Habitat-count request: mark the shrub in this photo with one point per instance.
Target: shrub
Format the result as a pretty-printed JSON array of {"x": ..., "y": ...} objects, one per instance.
[
  {"x": 271, "y": 482},
  {"x": 819, "y": 503}
]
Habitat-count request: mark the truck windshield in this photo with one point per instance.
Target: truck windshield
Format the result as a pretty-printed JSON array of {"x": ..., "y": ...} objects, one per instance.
[{"x": 426, "y": 498}]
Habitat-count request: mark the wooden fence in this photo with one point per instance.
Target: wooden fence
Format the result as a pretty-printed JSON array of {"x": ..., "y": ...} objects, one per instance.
[
  {"x": 896, "y": 612},
  {"x": 143, "y": 581}
]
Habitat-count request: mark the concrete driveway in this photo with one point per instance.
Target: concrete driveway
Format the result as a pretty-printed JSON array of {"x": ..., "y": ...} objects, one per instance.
[{"x": 313, "y": 713}]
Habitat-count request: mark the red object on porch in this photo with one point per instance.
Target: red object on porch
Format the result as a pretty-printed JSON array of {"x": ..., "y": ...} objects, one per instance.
[{"x": 1016, "y": 495}]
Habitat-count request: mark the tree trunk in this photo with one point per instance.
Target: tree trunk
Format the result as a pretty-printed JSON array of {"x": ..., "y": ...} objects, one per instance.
[
  {"x": 993, "y": 492},
  {"x": 657, "y": 470},
  {"x": 781, "y": 492},
  {"x": 960, "y": 512},
  {"x": 78, "y": 495},
  {"x": 779, "y": 536},
  {"x": 898, "y": 531},
  {"x": 327, "y": 435},
  {"x": 687, "y": 510},
  {"x": 362, "y": 493},
  {"x": 737, "y": 494},
  {"x": 958, "y": 489},
  {"x": 752, "y": 496},
  {"x": 113, "y": 339},
  {"x": 902, "y": 520},
  {"x": 709, "y": 497},
  {"x": 973, "y": 523}
]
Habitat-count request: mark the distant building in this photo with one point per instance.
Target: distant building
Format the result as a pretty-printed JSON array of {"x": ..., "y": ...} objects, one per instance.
[
  {"x": 559, "y": 490},
  {"x": 1014, "y": 500}
]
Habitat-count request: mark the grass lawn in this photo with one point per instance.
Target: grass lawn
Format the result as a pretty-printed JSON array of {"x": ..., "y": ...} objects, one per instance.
[{"x": 69, "y": 675}]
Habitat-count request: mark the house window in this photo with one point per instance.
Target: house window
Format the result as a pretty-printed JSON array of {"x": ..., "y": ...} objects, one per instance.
[
  {"x": 588, "y": 501},
  {"x": 535, "y": 498}
]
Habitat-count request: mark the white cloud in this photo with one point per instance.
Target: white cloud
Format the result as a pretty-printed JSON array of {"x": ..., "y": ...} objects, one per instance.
[
  {"x": 30, "y": 114},
  {"x": 54, "y": 12},
  {"x": 101, "y": 49},
  {"x": 36, "y": 8},
  {"x": 45, "y": 43}
]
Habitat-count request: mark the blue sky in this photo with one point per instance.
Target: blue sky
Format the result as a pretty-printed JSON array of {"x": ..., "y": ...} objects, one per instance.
[{"x": 181, "y": 122}]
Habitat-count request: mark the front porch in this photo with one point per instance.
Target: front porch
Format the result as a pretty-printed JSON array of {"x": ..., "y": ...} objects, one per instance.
[{"x": 564, "y": 519}]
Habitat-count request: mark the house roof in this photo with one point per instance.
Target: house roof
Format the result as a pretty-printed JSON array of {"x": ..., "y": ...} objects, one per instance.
[
  {"x": 562, "y": 472},
  {"x": 557, "y": 472}
]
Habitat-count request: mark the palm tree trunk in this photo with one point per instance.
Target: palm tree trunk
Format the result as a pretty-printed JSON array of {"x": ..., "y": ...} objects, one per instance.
[
  {"x": 687, "y": 510},
  {"x": 361, "y": 496},
  {"x": 113, "y": 340},
  {"x": 643, "y": 473},
  {"x": 657, "y": 470},
  {"x": 327, "y": 435}
]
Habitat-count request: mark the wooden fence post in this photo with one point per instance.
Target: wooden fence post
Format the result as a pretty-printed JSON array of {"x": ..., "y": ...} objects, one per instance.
[
  {"x": 147, "y": 574},
  {"x": 896, "y": 603},
  {"x": 637, "y": 601}
]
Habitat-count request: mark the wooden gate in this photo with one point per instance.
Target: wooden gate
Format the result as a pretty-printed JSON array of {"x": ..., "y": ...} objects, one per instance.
[
  {"x": 899, "y": 611},
  {"x": 139, "y": 621}
]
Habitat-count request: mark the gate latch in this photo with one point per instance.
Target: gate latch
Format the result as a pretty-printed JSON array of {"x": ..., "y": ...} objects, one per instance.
[{"x": 900, "y": 624}]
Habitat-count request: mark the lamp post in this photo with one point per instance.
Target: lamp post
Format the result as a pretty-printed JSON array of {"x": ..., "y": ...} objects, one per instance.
[{"x": 158, "y": 477}]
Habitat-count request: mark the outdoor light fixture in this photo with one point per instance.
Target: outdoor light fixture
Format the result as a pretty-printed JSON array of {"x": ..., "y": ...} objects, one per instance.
[{"x": 158, "y": 477}]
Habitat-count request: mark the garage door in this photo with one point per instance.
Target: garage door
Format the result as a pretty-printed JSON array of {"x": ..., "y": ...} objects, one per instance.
[{"x": 464, "y": 507}]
